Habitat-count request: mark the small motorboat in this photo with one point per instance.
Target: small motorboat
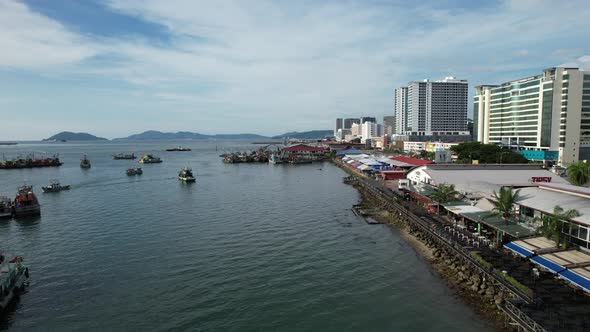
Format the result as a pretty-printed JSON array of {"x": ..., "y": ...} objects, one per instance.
[
  {"x": 134, "y": 171},
  {"x": 186, "y": 175},
  {"x": 85, "y": 163},
  {"x": 54, "y": 186},
  {"x": 150, "y": 159},
  {"x": 122, "y": 156},
  {"x": 180, "y": 148}
]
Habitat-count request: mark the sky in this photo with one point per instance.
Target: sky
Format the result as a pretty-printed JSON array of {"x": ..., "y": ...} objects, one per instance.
[{"x": 118, "y": 67}]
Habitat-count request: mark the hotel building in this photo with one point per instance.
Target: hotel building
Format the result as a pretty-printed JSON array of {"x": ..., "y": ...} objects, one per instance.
[{"x": 546, "y": 117}]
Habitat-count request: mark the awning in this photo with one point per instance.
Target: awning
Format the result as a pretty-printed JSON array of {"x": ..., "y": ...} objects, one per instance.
[
  {"x": 518, "y": 250},
  {"x": 547, "y": 264},
  {"x": 576, "y": 279}
]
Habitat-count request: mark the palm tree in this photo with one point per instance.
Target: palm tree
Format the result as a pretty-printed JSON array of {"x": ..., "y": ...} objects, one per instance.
[
  {"x": 503, "y": 203},
  {"x": 444, "y": 194},
  {"x": 553, "y": 223},
  {"x": 579, "y": 173}
]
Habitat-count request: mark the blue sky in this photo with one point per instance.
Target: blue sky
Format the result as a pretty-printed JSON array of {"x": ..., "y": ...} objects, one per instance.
[{"x": 113, "y": 68}]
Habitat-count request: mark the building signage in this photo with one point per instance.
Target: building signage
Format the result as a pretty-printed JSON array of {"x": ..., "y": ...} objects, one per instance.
[{"x": 541, "y": 179}]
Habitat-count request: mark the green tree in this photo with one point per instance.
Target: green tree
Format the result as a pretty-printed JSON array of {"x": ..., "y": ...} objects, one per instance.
[
  {"x": 486, "y": 154},
  {"x": 579, "y": 173},
  {"x": 553, "y": 224},
  {"x": 445, "y": 193},
  {"x": 503, "y": 203}
]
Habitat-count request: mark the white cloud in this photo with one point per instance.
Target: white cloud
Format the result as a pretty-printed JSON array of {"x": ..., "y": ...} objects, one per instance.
[
  {"x": 30, "y": 40},
  {"x": 297, "y": 63}
]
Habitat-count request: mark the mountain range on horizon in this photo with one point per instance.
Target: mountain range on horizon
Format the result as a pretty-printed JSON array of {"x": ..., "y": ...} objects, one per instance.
[{"x": 186, "y": 135}]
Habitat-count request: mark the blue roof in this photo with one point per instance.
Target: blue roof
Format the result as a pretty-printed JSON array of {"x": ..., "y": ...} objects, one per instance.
[
  {"x": 576, "y": 279},
  {"x": 349, "y": 151},
  {"x": 519, "y": 250},
  {"x": 547, "y": 264}
]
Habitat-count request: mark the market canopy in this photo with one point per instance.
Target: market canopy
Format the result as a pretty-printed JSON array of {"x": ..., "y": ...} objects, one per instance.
[
  {"x": 578, "y": 276},
  {"x": 547, "y": 264},
  {"x": 349, "y": 152},
  {"x": 518, "y": 250}
]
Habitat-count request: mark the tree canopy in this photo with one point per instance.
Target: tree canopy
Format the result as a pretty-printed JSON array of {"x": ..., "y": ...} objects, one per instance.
[
  {"x": 503, "y": 203},
  {"x": 486, "y": 154},
  {"x": 579, "y": 173},
  {"x": 553, "y": 223}
]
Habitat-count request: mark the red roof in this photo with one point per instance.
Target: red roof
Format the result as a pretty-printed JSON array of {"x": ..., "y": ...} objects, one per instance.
[
  {"x": 305, "y": 148},
  {"x": 412, "y": 161}
]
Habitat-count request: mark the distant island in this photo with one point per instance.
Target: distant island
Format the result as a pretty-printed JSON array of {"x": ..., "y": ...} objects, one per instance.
[
  {"x": 312, "y": 134},
  {"x": 70, "y": 136},
  {"x": 187, "y": 135},
  {"x": 158, "y": 135}
]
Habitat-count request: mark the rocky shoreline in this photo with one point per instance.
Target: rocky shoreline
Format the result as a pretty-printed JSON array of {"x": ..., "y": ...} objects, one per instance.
[{"x": 467, "y": 282}]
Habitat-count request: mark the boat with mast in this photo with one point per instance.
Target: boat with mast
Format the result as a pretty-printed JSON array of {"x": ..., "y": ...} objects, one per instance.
[{"x": 85, "y": 163}]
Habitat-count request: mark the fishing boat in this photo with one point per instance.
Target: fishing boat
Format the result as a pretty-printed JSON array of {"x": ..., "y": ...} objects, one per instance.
[
  {"x": 13, "y": 277},
  {"x": 54, "y": 186},
  {"x": 85, "y": 163},
  {"x": 275, "y": 159},
  {"x": 134, "y": 171},
  {"x": 26, "y": 203},
  {"x": 150, "y": 159},
  {"x": 122, "y": 156},
  {"x": 5, "y": 207},
  {"x": 180, "y": 148},
  {"x": 186, "y": 175}
]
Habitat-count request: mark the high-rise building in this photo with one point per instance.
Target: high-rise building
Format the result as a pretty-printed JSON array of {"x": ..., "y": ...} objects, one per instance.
[
  {"x": 389, "y": 125},
  {"x": 437, "y": 107},
  {"x": 339, "y": 123},
  {"x": 350, "y": 121},
  {"x": 368, "y": 119},
  {"x": 401, "y": 110},
  {"x": 546, "y": 116},
  {"x": 355, "y": 129}
]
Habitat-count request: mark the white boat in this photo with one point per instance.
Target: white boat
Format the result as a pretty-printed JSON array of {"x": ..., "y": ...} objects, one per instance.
[
  {"x": 186, "y": 175},
  {"x": 54, "y": 186}
]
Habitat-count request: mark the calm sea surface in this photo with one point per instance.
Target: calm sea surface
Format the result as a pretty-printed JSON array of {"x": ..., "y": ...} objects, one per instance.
[{"x": 249, "y": 247}]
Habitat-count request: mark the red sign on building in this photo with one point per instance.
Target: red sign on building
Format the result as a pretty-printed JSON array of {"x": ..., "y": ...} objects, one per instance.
[{"x": 541, "y": 179}]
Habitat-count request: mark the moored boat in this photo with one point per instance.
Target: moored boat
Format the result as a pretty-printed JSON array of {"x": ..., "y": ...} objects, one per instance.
[
  {"x": 134, "y": 171},
  {"x": 85, "y": 163},
  {"x": 180, "y": 148},
  {"x": 5, "y": 207},
  {"x": 54, "y": 186},
  {"x": 26, "y": 203},
  {"x": 186, "y": 175},
  {"x": 150, "y": 159},
  {"x": 275, "y": 159},
  {"x": 122, "y": 156},
  {"x": 13, "y": 277}
]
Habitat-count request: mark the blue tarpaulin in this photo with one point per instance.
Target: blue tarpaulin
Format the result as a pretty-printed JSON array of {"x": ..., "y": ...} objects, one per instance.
[
  {"x": 518, "y": 249},
  {"x": 576, "y": 279},
  {"x": 547, "y": 264},
  {"x": 349, "y": 151}
]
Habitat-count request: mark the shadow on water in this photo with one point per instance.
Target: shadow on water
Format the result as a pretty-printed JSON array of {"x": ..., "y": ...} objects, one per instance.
[
  {"x": 7, "y": 314},
  {"x": 28, "y": 222}
]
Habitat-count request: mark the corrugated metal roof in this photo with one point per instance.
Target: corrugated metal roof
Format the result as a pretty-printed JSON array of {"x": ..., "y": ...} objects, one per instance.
[
  {"x": 412, "y": 161},
  {"x": 545, "y": 200}
]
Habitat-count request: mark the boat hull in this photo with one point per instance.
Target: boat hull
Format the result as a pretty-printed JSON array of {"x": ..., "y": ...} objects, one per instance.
[
  {"x": 27, "y": 211},
  {"x": 188, "y": 180},
  {"x": 15, "y": 290}
]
